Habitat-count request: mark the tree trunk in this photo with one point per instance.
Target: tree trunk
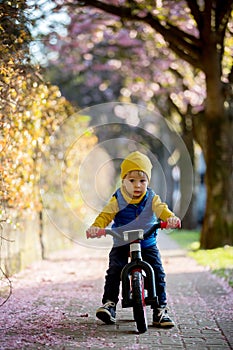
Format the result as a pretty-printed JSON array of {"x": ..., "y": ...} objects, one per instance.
[
  {"x": 189, "y": 220},
  {"x": 217, "y": 228},
  {"x": 42, "y": 247}
]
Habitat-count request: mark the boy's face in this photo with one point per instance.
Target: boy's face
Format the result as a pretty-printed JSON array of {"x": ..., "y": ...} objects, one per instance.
[{"x": 135, "y": 183}]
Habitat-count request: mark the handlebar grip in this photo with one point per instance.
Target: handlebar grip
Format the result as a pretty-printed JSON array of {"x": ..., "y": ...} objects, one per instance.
[
  {"x": 163, "y": 224},
  {"x": 100, "y": 232}
]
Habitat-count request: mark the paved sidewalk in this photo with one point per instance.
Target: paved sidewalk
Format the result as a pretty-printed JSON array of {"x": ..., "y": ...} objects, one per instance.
[{"x": 54, "y": 301}]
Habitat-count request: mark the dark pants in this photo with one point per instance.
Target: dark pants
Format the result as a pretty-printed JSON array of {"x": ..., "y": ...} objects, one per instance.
[{"x": 118, "y": 258}]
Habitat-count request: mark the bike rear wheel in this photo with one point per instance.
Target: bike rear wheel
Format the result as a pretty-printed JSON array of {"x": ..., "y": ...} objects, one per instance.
[{"x": 139, "y": 305}]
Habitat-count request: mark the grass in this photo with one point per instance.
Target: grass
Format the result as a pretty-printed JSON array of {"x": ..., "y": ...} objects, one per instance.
[
  {"x": 186, "y": 239},
  {"x": 219, "y": 260}
]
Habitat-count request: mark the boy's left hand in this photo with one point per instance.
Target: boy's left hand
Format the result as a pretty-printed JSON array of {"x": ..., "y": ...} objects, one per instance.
[{"x": 173, "y": 222}]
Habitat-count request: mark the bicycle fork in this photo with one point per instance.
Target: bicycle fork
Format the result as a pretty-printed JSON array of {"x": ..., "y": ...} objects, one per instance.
[{"x": 137, "y": 264}]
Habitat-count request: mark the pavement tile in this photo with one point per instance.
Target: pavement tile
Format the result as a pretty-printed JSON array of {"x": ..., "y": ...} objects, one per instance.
[{"x": 53, "y": 306}]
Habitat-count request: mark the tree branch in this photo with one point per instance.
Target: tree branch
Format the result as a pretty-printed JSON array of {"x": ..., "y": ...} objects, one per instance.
[
  {"x": 195, "y": 11},
  {"x": 223, "y": 12},
  {"x": 184, "y": 45},
  {"x": 195, "y": 62}
]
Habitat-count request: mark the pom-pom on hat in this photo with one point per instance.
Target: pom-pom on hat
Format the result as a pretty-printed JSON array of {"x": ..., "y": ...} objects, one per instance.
[{"x": 136, "y": 161}]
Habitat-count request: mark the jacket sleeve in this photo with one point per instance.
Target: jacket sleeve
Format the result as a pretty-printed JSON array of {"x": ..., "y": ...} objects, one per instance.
[
  {"x": 107, "y": 214},
  {"x": 161, "y": 209}
]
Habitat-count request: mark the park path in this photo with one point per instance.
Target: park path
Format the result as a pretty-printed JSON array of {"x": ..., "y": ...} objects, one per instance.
[{"x": 53, "y": 306}]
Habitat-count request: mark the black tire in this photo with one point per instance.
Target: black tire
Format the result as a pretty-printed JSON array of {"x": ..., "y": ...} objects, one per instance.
[{"x": 139, "y": 306}]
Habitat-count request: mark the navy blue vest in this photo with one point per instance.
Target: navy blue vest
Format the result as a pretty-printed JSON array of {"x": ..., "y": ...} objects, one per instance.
[{"x": 136, "y": 216}]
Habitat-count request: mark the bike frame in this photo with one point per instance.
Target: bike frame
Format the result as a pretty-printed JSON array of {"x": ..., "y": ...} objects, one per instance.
[
  {"x": 137, "y": 264},
  {"x": 136, "y": 274}
]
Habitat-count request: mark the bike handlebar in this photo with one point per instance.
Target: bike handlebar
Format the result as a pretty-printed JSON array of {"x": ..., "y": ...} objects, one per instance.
[{"x": 104, "y": 231}]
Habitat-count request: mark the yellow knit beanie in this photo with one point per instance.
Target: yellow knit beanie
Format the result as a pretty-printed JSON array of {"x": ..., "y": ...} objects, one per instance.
[{"x": 136, "y": 161}]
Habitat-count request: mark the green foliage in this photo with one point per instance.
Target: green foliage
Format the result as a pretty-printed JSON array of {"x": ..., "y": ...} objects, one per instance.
[
  {"x": 30, "y": 112},
  {"x": 186, "y": 239},
  {"x": 69, "y": 146},
  {"x": 14, "y": 33},
  {"x": 219, "y": 260}
]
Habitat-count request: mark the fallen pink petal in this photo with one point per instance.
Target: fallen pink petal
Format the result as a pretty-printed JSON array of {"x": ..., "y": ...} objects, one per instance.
[{"x": 60, "y": 313}]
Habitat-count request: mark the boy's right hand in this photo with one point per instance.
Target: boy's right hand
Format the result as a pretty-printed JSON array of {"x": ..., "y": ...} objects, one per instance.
[{"x": 92, "y": 232}]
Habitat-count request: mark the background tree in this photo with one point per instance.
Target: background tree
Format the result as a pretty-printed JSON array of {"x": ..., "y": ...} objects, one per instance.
[
  {"x": 28, "y": 114},
  {"x": 205, "y": 45},
  {"x": 127, "y": 63},
  {"x": 31, "y": 111}
]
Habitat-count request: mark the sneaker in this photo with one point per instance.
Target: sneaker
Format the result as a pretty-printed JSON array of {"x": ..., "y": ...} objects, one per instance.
[
  {"x": 161, "y": 318},
  {"x": 107, "y": 312}
]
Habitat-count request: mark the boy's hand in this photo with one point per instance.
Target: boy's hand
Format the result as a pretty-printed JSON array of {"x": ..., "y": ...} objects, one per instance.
[
  {"x": 92, "y": 231},
  {"x": 173, "y": 222}
]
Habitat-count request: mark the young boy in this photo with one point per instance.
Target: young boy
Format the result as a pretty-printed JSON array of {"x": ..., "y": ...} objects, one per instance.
[{"x": 134, "y": 205}]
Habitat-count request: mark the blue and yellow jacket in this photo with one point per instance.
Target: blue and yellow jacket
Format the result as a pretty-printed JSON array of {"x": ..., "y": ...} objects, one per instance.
[{"x": 131, "y": 214}]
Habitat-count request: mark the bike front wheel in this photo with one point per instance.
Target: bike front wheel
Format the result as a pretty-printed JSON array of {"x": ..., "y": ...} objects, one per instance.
[{"x": 139, "y": 305}]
